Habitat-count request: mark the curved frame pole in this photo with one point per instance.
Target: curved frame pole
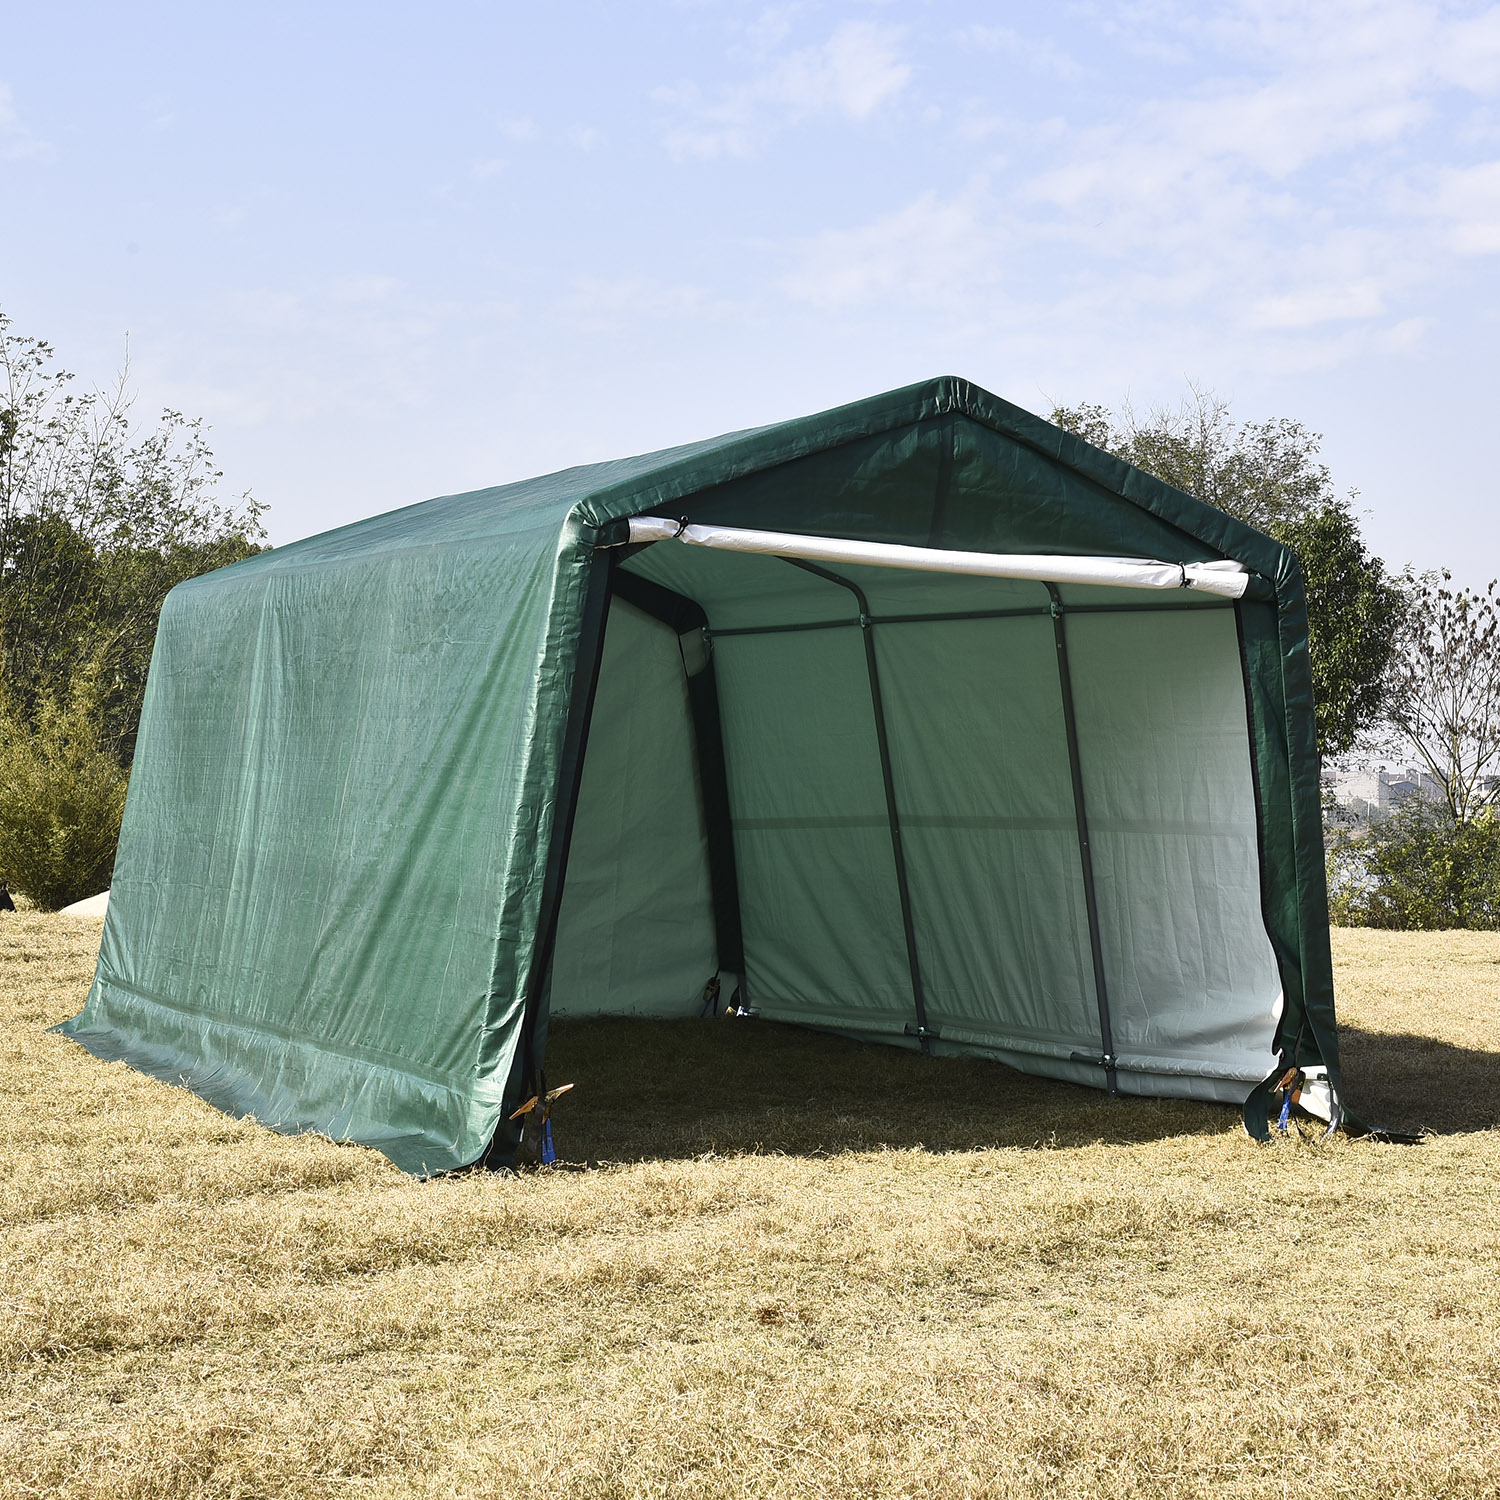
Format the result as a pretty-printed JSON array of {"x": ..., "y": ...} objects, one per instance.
[
  {"x": 893, "y": 816},
  {"x": 1085, "y": 854}
]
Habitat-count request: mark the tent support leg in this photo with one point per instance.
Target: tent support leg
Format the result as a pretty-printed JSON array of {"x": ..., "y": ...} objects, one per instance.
[
  {"x": 893, "y": 816},
  {"x": 1085, "y": 856},
  {"x": 713, "y": 775}
]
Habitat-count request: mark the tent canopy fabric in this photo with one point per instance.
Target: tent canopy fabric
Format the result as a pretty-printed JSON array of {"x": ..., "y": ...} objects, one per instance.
[{"x": 405, "y": 790}]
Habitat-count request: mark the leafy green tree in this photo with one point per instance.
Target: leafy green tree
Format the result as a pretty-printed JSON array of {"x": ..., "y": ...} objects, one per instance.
[
  {"x": 1354, "y": 614},
  {"x": 98, "y": 520},
  {"x": 61, "y": 795},
  {"x": 1420, "y": 868},
  {"x": 1269, "y": 475}
]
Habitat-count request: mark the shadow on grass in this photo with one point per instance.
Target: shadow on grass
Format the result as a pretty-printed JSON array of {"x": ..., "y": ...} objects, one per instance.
[
  {"x": 654, "y": 1090},
  {"x": 662, "y": 1090},
  {"x": 1411, "y": 1082}
]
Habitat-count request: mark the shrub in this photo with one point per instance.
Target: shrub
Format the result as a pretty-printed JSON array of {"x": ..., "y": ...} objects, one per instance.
[
  {"x": 1420, "y": 868},
  {"x": 61, "y": 797}
]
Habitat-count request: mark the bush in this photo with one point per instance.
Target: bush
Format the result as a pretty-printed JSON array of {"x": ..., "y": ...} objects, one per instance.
[
  {"x": 61, "y": 797},
  {"x": 1420, "y": 868}
]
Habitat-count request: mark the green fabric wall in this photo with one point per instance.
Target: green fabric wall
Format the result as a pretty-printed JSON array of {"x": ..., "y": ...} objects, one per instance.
[
  {"x": 319, "y": 826},
  {"x": 636, "y": 934}
]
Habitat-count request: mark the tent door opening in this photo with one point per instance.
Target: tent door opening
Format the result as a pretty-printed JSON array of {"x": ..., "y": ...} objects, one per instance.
[{"x": 975, "y": 815}]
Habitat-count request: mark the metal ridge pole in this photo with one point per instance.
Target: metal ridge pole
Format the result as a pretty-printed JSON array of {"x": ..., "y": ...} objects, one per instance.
[
  {"x": 1085, "y": 855},
  {"x": 893, "y": 816}
]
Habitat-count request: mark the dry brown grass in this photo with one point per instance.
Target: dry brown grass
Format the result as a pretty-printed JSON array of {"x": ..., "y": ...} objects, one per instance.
[{"x": 805, "y": 1270}]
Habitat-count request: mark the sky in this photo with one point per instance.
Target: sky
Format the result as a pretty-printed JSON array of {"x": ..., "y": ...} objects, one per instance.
[{"x": 389, "y": 252}]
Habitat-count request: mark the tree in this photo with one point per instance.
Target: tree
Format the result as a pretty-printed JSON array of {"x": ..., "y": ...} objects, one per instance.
[
  {"x": 1420, "y": 868},
  {"x": 1269, "y": 475},
  {"x": 61, "y": 797},
  {"x": 1354, "y": 614},
  {"x": 98, "y": 520},
  {"x": 1444, "y": 690}
]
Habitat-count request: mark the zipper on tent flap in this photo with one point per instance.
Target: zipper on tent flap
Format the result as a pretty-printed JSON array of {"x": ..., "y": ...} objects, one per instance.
[
  {"x": 1085, "y": 856},
  {"x": 893, "y": 816}
]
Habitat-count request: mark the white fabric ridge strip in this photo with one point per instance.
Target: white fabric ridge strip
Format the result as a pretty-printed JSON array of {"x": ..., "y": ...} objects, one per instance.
[{"x": 1226, "y": 579}]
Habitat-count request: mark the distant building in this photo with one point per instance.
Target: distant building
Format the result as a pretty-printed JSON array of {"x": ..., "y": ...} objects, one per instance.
[{"x": 1365, "y": 794}]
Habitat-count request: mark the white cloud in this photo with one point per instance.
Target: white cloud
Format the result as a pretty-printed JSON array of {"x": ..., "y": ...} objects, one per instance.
[
  {"x": 159, "y": 115},
  {"x": 607, "y": 303},
  {"x": 1469, "y": 199},
  {"x": 1312, "y": 304},
  {"x": 1304, "y": 82},
  {"x": 771, "y": 27},
  {"x": 523, "y": 130},
  {"x": 932, "y": 250},
  {"x": 855, "y": 72},
  {"x": 1406, "y": 334},
  {"x": 1265, "y": 213},
  {"x": 365, "y": 288},
  {"x": 17, "y": 142},
  {"x": 1035, "y": 53},
  {"x": 326, "y": 351}
]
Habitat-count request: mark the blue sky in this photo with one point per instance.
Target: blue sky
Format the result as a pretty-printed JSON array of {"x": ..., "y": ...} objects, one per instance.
[{"x": 390, "y": 252}]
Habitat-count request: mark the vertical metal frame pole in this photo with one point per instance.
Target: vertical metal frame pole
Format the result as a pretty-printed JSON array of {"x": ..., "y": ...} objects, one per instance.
[
  {"x": 893, "y": 816},
  {"x": 1085, "y": 855}
]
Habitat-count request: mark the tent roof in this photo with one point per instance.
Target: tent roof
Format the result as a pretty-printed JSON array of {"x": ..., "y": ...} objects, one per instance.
[{"x": 595, "y": 494}]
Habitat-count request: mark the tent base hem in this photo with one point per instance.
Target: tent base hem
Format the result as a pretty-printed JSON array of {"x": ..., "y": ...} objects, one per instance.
[
  {"x": 1175, "y": 1078},
  {"x": 202, "y": 1059}
]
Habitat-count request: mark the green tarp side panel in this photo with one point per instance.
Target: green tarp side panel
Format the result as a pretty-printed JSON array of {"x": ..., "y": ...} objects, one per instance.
[
  {"x": 636, "y": 933},
  {"x": 819, "y": 901},
  {"x": 1165, "y": 752},
  {"x": 331, "y": 803},
  {"x": 333, "y": 870}
]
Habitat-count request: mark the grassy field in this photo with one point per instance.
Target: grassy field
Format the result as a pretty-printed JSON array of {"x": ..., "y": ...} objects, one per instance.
[{"x": 768, "y": 1266}]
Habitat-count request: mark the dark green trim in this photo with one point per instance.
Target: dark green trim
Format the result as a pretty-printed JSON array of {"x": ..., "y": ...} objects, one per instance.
[
  {"x": 947, "y": 443},
  {"x": 1273, "y": 641},
  {"x": 526, "y": 1072},
  {"x": 674, "y": 610}
]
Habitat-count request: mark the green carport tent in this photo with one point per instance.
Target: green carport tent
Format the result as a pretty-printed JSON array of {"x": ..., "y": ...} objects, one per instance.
[{"x": 919, "y": 720}]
